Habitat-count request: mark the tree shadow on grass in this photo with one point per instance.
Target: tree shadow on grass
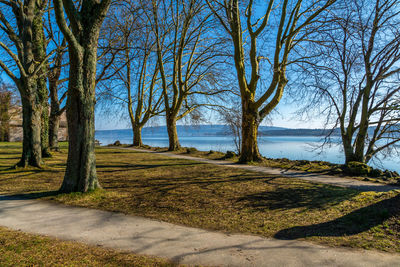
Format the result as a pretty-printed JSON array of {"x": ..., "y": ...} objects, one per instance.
[
  {"x": 129, "y": 167},
  {"x": 34, "y": 195},
  {"x": 30, "y": 171},
  {"x": 356, "y": 222},
  {"x": 126, "y": 151},
  {"x": 10, "y": 152},
  {"x": 167, "y": 184},
  {"x": 313, "y": 197}
]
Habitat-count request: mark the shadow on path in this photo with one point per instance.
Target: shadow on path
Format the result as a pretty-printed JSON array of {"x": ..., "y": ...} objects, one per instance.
[
  {"x": 314, "y": 197},
  {"x": 29, "y": 195},
  {"x": 355, "y": 222}
]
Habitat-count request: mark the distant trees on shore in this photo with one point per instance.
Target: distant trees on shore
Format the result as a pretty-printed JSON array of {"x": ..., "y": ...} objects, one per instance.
[{"x": 176, "y": 58}]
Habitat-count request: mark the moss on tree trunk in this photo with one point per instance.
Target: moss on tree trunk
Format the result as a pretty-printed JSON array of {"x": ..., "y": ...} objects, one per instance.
[
  {"x": 137, "y": 136},
  {"x": 31, "y": 123},
  {"x": 172, "y": 134},
  {"x": 54, "y": 119},
  {"x": 5, "y": 102},
  {"x": 250, "y": 123},
  {"x": 80, "y": 175},
  {"x": 39, "y": 51}
]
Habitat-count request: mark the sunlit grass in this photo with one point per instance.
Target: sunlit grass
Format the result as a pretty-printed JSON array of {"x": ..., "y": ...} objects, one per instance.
[
  {"x": 21, "y": 249},
  {"x": 220, "y": 198}
]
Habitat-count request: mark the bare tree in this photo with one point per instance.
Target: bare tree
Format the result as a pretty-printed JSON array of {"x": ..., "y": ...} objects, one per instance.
[
  {"x": 55, "y": 86},
  {"x": 40, "y": 54},
  {"x": 232, "y": 117},
  {"x": 355, "y": 78},
  {"x": 17, "y": 23},
  {"x": 82, "y": 36},
  {"x": 134, "y": 83},
  {"x": 56, "y": 70},
  {"x": 187, "y": 56},
  {"x": 147, "y": 94},
  {"x": 293, "y": 18}
]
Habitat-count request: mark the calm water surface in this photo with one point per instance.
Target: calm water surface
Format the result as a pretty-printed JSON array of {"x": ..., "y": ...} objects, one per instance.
[{"x": 291, "y": 147}]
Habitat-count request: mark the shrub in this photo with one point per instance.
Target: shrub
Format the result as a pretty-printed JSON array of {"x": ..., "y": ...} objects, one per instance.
[
  {"x": 358, "y": 168},
  {"x": 229, "y": 155},
  {"x": 191, "y": 150},
  {"x": 117, "y": 143}
]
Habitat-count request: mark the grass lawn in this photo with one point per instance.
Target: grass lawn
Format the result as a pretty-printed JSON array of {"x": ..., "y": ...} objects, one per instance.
[
  {"x": 218, "y": 198},
  {"x": 321, "y": 167},
  {"x": 21, "y": 249}
]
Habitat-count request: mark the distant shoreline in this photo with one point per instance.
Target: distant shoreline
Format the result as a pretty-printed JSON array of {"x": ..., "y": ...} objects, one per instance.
[{"x": 223, "y": 130}]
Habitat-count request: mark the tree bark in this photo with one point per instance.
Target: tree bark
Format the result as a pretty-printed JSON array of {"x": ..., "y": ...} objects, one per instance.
[
  {"x": 80, "y": 175},
  {"x": 54, "y": 125},
  {"x": 172, "y": 134},
  {"x": 250, "y": 123},
  {"x": 348, "y": 149},
  {"x": 82, "y": 35},
  {"x": 44, "y": 131},
  {"x": 5, "y": 103},
  {"x": 55, "y": 111},
  {"x": 137, "y": 136},
  {"x": 350, "y": 156},
  {"x": 55, "y": 102},
  {"x": 31, "y": 123},
  {"x": 39, "y": 51}
]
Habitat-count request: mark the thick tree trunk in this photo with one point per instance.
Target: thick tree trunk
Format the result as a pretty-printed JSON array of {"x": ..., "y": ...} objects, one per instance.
[
  {"x": 250, "y": 123},
  {"x": 360, "y": 142},
  {"x": 80, "y": 175},
  {"x": 31, "y": 122},
  {"x": 39, "y": 51},
  {"x": 5, "y": 100},
  {"x": 172, "y": 134},
  {"x": 54, "y": 119},
  {"x": 351, "y": 156},
  {"x": 54, "y": 125},
  {"x": 349, "y": 152},
  {"x": 44, "y": 133},
  {"x": 137, "y": 136}
]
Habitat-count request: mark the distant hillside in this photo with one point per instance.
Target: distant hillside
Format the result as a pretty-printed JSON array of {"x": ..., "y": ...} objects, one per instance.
[
  {"x": 199, "y": 130},
  {"x": 299, "y": 132},
  {"x": 305, "y": 132},
  {"x": 223, "y": 130}
]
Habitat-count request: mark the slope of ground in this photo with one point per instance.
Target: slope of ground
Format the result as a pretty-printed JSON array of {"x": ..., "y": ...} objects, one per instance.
[{"x": 218, "y": 198}]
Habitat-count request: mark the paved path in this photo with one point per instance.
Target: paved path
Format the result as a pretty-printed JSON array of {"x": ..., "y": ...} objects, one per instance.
[
  {"x": 181, "y": 244},
  {"x": 312, "y": 177}
]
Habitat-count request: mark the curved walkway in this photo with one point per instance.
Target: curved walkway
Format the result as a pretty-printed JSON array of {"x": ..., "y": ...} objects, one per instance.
[
  {"x": 181, "y": 244},
  {"x": 312, "y": 177}
]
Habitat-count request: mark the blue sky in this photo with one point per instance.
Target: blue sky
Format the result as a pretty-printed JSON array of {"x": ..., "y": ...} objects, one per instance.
[{"x": 284, "y": 117}]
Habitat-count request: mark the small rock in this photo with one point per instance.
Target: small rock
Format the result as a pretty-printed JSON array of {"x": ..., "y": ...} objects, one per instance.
[
  {"x": 117, "y": 143},
  {"x": 191, "y": 150},
  {"x": 229, "y": 155}
]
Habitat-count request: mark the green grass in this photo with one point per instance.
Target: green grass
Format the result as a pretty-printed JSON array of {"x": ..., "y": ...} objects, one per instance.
[
  {"x": 219, "y": 198},
  {"x": 21, "y": 249}
]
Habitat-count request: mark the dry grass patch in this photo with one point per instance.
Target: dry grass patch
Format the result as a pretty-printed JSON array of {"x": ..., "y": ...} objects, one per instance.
[
  {"x": 21, "y": 249},
  {"x": 227, "y": 199},
  {"x": 321, "y": 167}
]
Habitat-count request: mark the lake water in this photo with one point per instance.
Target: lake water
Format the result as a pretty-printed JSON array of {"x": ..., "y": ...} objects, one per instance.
[{"x": 291, "y": 147}]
